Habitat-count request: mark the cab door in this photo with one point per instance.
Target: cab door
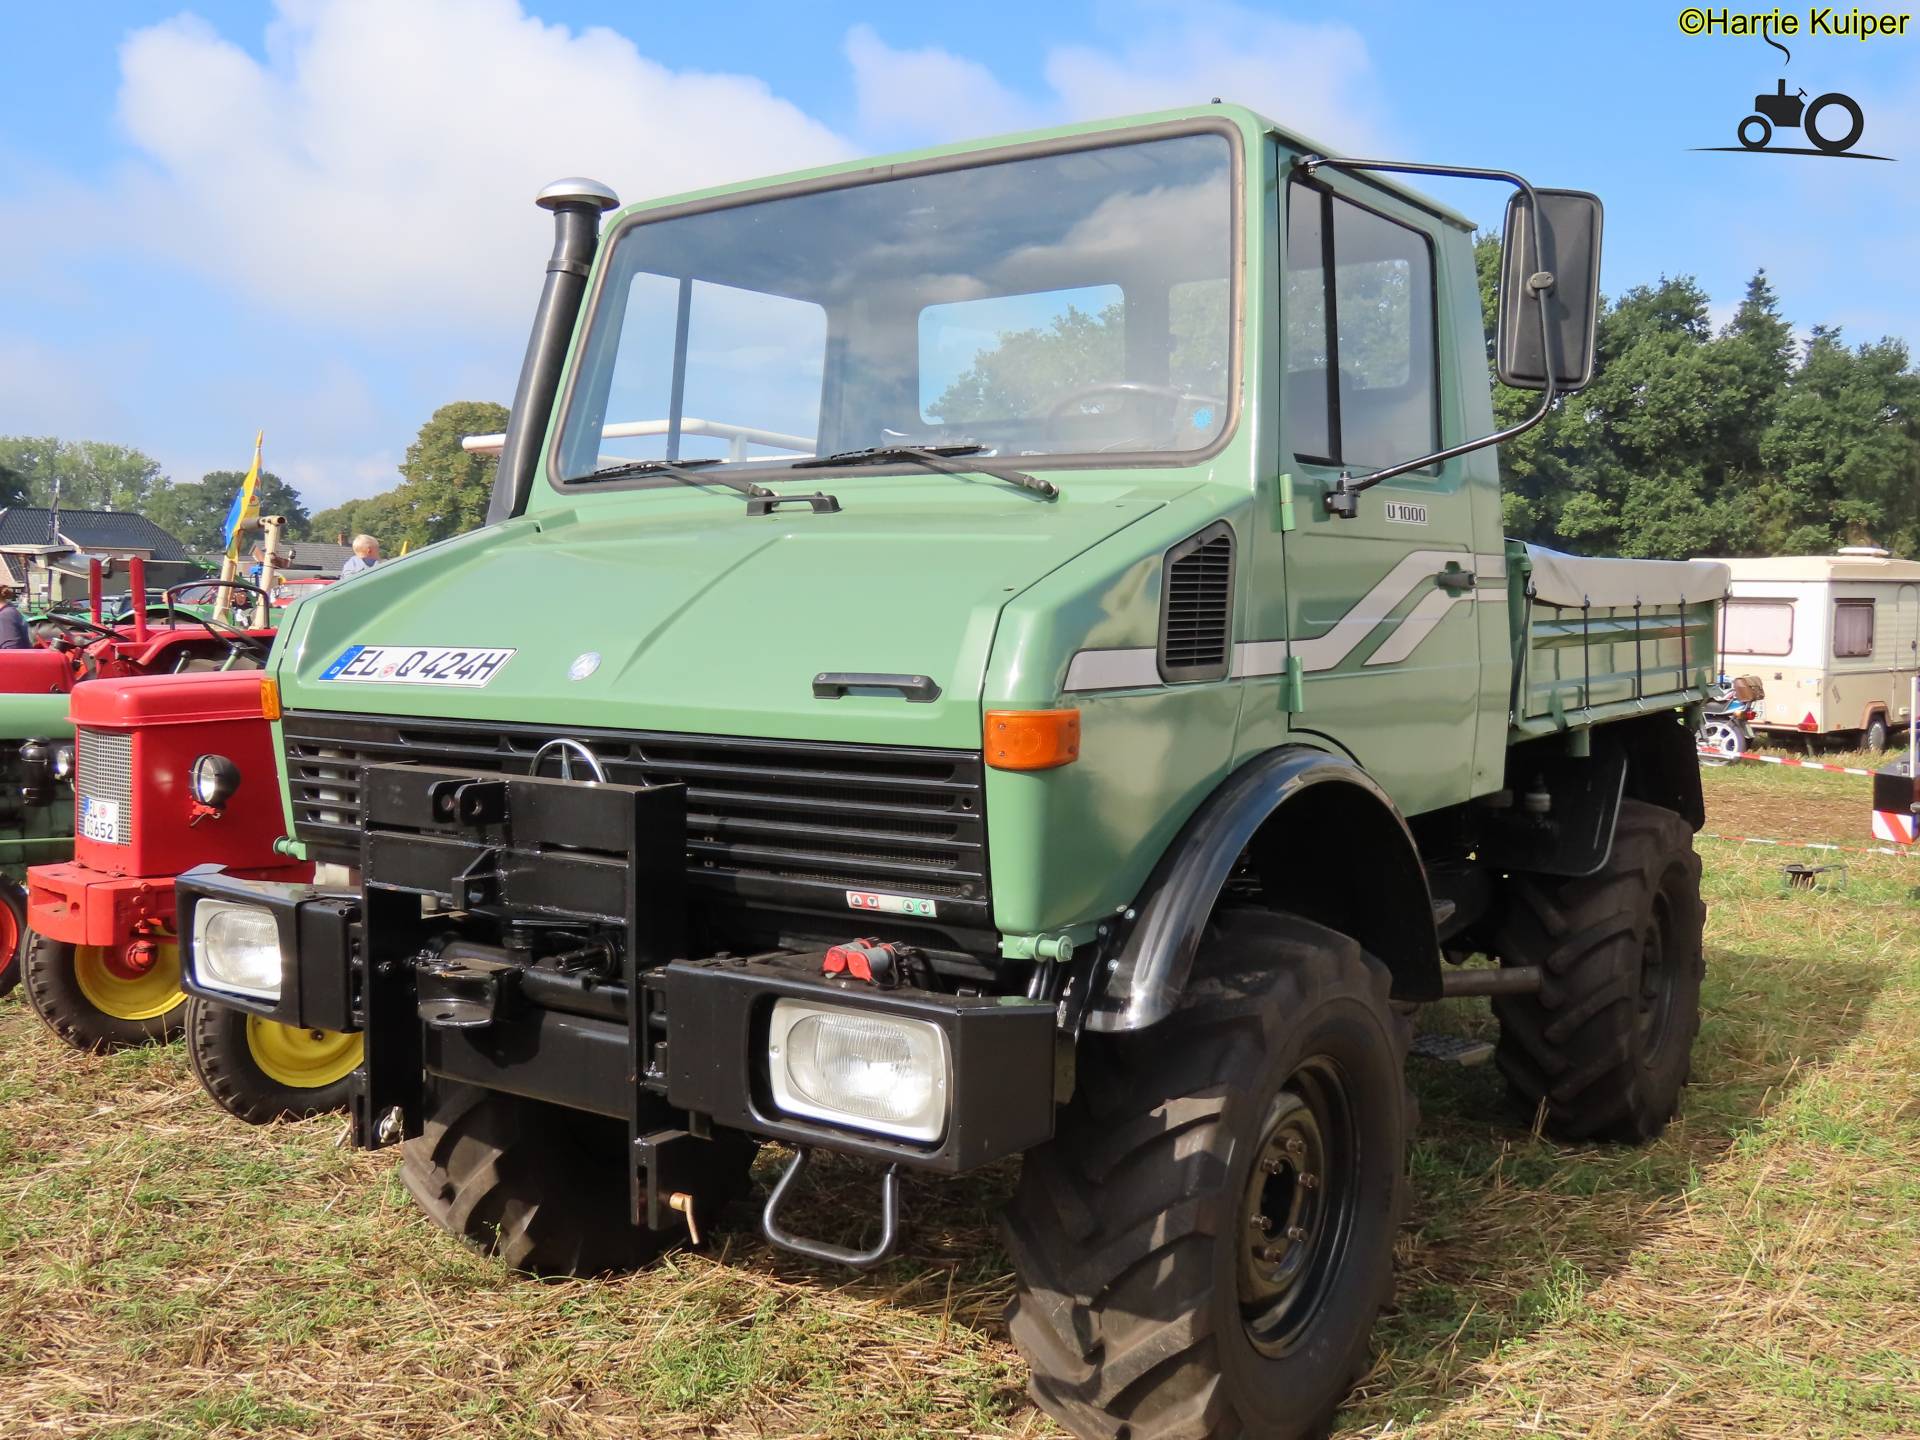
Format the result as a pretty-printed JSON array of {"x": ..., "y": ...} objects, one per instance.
[{"x": 1382, "y": 608}]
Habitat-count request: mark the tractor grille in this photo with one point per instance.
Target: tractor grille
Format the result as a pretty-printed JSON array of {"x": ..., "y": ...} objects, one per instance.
[
  {"x": 783, "y": 821},
  {"x": 103, "y": 772}
]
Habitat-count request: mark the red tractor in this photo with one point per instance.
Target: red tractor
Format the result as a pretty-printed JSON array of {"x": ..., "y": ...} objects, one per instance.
[
  {"x": 172, "y": 635},
  {"x": 172, "y": 771}
]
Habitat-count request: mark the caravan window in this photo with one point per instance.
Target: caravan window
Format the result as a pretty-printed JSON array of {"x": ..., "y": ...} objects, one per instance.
[
  {"x": 1852, "y": 629},
  {"x": 1758, "y": 627}
]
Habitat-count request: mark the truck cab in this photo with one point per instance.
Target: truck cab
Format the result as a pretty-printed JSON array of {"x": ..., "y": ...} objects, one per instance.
[{"x": 1048, "y": 590}]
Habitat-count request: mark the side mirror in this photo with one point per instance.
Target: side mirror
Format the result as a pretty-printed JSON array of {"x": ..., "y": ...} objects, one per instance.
[{"x": 1567, "y": 228}]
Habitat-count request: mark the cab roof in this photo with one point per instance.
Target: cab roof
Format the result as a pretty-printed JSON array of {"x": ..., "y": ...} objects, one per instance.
[{"x": 1248, "y": 121}]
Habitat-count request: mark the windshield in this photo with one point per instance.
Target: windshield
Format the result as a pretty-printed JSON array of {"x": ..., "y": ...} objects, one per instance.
[{"x": 1068, "y": 304}]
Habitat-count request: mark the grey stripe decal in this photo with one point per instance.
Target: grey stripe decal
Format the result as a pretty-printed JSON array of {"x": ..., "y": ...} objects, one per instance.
[
  {"x": 1113, "y": 669},
  {"x": 1134, "y": 669}
]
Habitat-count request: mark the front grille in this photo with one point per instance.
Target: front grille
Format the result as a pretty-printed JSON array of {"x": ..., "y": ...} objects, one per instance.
[
  {"x": 103, "y": 779},
  {"x": 784, "y": 821}
]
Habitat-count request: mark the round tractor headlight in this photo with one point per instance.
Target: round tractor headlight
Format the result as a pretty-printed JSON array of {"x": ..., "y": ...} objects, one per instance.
[
  {"x": 63, "y": 762},
  {"x": 214, "y": 779}
]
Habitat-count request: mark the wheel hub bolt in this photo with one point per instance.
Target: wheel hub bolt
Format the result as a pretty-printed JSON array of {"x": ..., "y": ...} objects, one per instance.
[
  {"x": 1294, "y": 1147},
  {"x": 1294, "y": 1232},
  {"x": 1309, "y": 1182},
  {"x": 1271, "y": 1164},
  {"x": 1260, "y": 1222}
]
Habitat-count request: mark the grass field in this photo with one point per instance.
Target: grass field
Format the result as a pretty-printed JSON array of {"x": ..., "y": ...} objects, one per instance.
[{"x": 167, "y": 1272}]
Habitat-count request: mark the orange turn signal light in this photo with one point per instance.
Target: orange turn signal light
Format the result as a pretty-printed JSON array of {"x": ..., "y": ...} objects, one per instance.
[
  {"x": 269, "y": 698},
  {"x": 1032, "y": 739}
]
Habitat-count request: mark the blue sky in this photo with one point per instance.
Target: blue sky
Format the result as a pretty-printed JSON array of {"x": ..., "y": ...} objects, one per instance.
[{"x": 313, "y": 217}]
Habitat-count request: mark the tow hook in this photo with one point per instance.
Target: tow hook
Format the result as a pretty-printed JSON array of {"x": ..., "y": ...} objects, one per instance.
[{"x": 821, "y": 1249}]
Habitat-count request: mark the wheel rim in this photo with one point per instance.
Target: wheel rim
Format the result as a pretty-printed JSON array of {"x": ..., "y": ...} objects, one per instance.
[
  {"x": 1656, "y": 984},
  {"x": 302, "y": 1059},
  {"x": 1296, "y": 1217},
  {"x": 1720, "y": 737},
  {"x": 115, "y": 988},
  {"x": 9, "y": 938}
]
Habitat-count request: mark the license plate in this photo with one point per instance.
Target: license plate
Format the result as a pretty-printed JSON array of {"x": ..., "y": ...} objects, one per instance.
[
  {"x": 100, "y": 820},
  {"x": 417, "y": 665}
]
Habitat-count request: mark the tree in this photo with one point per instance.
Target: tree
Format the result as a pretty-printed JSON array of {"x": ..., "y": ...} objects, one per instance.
[
  {"x": 446, "y": 488},
  {"x": 196, "y": 512},
  {"x": 443, "y": 490},
  {"x": 91, "y": 474}
]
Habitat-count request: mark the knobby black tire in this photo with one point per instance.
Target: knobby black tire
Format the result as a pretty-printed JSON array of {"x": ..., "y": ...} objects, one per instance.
[
  {"x": 545, "y": 1188},
  {"x": 56, "y": 997},
  {"x": 1125, "y": 1228},
  {"x": 1578, "y": 1053},
  {"x": 223, "y": 1063}
]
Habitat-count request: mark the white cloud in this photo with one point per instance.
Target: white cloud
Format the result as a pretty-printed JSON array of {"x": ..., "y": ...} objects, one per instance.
[
  {"x": 1316, "y": 78},
  {"x": 379, "y": 168}
]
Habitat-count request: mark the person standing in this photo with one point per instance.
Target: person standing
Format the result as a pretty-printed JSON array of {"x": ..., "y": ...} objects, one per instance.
[
  {"x": 14, "y": 634},
  {"x": 366, "y": 555}
]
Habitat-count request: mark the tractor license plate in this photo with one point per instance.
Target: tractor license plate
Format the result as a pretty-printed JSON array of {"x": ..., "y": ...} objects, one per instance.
[
  {"x": 417, "y": 665},
  {"x": 100, "y": 820}
]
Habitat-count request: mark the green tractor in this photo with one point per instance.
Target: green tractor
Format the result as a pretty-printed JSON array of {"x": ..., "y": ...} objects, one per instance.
[{"x": 1057, "y": 688}]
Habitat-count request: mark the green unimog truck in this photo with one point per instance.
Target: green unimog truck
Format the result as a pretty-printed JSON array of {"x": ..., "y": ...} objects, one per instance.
[{"x": 1056, "y": 687}]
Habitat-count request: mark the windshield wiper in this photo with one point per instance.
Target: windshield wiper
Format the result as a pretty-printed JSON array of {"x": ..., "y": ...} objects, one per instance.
[
  {"x": 934, "y": 457},
  {"x": 688, "y": 472}
]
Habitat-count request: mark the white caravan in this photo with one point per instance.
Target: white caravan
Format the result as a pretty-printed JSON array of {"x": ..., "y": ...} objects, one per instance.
[{"x": 1834, "y": 640}]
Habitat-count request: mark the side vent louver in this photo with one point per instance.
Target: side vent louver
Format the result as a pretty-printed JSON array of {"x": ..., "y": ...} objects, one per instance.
[{"x": 1196, "y": 606}]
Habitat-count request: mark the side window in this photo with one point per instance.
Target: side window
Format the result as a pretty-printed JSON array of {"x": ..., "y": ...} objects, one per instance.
[
  {"x": 1361, "y": 374},
  {"x": 1852, "y": 629}
]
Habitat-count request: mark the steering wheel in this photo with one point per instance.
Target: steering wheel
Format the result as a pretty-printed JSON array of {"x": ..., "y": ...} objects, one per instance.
[
  {"x": 236, "y": 638},
  {"x": 1174, "y": 395},
  {"x": 74, "y": 622}
]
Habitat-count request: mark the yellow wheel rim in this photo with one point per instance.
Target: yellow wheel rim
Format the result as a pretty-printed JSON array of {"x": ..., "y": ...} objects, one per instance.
[
  {"x": 140, "y": 997},
  {"x": 302, "y": 1059}
]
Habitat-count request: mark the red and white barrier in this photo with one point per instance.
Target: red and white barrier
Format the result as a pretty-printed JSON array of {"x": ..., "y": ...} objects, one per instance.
[{"x": 1707, "y": 754}]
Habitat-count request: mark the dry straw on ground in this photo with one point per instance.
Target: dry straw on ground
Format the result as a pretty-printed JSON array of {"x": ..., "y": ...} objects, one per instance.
[{"x": 167, "y": 1272}]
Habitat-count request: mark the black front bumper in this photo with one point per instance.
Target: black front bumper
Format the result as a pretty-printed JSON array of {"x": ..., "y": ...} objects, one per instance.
[{"x": 687, "y": 1039}]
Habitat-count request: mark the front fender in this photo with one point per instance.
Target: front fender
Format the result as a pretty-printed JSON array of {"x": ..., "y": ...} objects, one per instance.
[{"x": 1262, "y": 801}]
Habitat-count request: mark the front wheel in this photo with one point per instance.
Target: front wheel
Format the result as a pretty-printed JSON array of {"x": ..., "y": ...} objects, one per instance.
[
  {"x": 96, "y": 997},
  {"x": 1876, "y": 735},
  {"x": 1724, "y": 736},
  {"x": 13, "y": 931},
  {"x": 259, "y": 1070},
  {"x": 1755, "y": 132},
  {"x": 1203, "y": 1247}
]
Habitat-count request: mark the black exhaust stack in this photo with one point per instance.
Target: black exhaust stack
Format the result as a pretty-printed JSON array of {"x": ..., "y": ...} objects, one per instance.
[{"x": 576, "y": 205}]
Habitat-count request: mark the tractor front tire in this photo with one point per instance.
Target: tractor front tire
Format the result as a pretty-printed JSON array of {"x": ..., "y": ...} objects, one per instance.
[
  {"x": 259, "y": 1070},
  {"x": 545, "y": 1188},
  {"x": 1605, "y": 1048},
  {"x": 13, "y": 932},
  {"x": 1202, "y": 1249},
  {"x": 88, "y": 1002}
]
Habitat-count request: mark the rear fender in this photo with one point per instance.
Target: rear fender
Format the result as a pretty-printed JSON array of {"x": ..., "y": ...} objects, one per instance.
[{"x": 1325, "y": 842}]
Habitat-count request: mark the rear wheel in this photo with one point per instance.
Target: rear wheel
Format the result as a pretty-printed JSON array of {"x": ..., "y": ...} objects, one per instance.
[
  {"x": 259, "y": 1070},
  {"x": 1606, "y": 1047},
  {"x": 100, "y": 998},
  {"x": 1876, "y": 735},
  {"x": 1726, "y": 738},
  {"x": 1203, "y": 1247},
  {"x": 13, "y": 931},
  {"x": 545, "y": 1188}
]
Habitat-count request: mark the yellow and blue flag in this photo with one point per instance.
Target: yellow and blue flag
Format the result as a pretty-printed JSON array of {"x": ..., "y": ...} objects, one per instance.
[{"x": 246, "y": 505}]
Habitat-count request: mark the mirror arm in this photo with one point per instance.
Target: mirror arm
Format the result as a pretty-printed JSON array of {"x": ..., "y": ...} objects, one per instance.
[{"x": 1342, "y": 500}]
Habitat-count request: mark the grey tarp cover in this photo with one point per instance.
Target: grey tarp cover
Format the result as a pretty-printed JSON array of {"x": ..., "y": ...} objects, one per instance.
[{"x": 1578, "y": 580}]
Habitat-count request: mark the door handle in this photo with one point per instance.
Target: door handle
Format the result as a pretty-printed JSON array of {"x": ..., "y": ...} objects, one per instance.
[{"x": 1457, "y": 581}]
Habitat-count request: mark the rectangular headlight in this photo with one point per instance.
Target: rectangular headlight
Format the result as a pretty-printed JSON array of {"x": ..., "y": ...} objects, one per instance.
[
  {"x": 237, "y": 948},
  {"x": 859, "y": 1069}
]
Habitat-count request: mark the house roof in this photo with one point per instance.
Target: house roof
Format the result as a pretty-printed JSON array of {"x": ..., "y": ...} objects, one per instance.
[
  {"x": 28, "y": 527},
  {"x": 311, "y": 557}
]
